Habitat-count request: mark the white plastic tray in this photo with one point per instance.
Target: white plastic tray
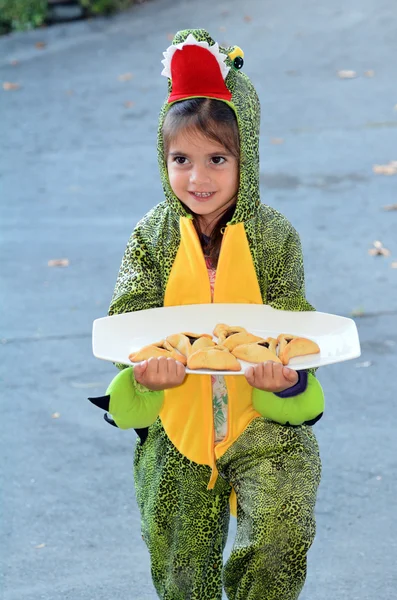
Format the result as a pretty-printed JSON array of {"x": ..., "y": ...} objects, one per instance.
[{"x": 114, "y": 338}]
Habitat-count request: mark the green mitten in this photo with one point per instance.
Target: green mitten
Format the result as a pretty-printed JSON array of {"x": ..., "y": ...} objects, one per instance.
[
  {"x": 131, "y": 405},
  {"x": 306, "y": 407}
]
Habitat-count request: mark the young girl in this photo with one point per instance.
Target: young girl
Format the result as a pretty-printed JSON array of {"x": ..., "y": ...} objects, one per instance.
[{"x": 208, "y": 443}]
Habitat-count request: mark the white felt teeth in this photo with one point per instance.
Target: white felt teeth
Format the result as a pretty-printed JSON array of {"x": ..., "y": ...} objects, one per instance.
[{"x": 191, "y": 41}]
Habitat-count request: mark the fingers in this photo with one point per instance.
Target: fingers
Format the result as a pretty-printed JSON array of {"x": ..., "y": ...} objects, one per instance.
[
  {"x": 272, "y": 367},
  {"x": 158, "y": 370},
  {"x": 161, "y": 373},
  {"x": 139, "y": 370},
  {"x": 290, "y": 375},
  {"x": 169, "y": 368},
  {"x": 180, "y": 371},
  {"x": 271, "y": 376},
  {"x": 160, "y": 366},
  {"x": 250, "y": 375}
]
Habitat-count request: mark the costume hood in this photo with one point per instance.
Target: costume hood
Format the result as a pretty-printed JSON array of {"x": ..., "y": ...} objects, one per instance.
[{"x": 197, "y": 67}]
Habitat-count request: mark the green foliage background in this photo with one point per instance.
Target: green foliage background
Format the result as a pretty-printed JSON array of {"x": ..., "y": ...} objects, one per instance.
[
  {"x": 17, "y": 15},
  {"x": 22, "y": 14},
  {"x": 105, "y": 7}
]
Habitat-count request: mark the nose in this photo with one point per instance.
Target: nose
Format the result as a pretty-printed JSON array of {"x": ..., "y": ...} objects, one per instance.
[{"x": 199, "y": 175}]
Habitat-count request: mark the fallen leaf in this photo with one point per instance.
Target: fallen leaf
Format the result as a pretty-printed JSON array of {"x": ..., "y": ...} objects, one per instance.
[
  {"x": 358, "y": 312},
  {"x": 14, "y": 63},
  {"x": 8, "y": 86},
  {"x": 394, "y": 265},
  {"x": 40, "y": 45},
  {"x": 170, "y": 36},
  {"x": 58, "y": 262},
  {"x": 369, "y": 73},
  {"x": 56, "y": 415},
  {"x": 40, "y": 546},
  {"x": 70, "y": 92},
  {"x": 379, "y": 250},
  {"x": 364, "y": 364},
  {"x": 390, "y": 207},
  {"x": 389, "y": 169},
  {"x": 129, "y": 104},
  {"x": 222, "y": 28},
  {"x": 125, "y": 77},
  {"x": 225, "y": 13},
  {"x": 277, "y": 141},
  {"x": 345, "y": 74},
  {"x": 247, "y": 19}
]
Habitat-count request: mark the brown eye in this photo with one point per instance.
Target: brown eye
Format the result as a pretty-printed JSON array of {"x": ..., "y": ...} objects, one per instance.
[{"x": 218, "y": 160}]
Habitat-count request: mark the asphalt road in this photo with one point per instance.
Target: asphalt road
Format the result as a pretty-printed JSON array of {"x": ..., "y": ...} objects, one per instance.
[{"x": 78, "y": 169}]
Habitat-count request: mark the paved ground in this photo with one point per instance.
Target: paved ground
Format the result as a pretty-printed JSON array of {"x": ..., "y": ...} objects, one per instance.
[{"x": 79, "y": 168}]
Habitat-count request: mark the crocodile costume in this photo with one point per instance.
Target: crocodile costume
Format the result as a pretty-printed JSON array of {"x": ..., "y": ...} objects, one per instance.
[{"x": 269, "y": 457}]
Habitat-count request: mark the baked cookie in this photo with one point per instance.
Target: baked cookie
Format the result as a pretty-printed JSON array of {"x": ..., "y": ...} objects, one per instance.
[
  {"x": 270, "y": 343},
  {"x": 199, "y": 340},
  {"x": 180, "y": 342},
  {"x": 187, "y": 342},
  {"x": 217, "y": 358},
  {"x": 156, "y": 350},
  {"x": 293, "y": 345},
  {"x": 258, "y": 352},
  {"x": 237, "y": 339},
  {"x": 223, "y": 331}
]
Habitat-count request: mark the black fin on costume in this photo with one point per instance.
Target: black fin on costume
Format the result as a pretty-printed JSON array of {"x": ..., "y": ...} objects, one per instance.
[
  {"x": 101, "y": 402},
  {"x": 142, "y": 434},
  {"x": 109, "y": 420},
  {"x": 313, "y": 421}
]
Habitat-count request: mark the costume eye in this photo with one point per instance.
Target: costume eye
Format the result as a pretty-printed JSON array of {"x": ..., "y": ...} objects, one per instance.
[
  {"x": 218, "y": 160},
  {"x": 237, "y": 58}
]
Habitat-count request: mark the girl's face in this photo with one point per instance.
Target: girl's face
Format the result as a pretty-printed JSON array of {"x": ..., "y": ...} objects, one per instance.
[{"x": 203, "y": 175}]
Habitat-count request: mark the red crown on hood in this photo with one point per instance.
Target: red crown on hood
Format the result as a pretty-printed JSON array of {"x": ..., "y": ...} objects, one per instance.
[{"x": 196, "y": 69}]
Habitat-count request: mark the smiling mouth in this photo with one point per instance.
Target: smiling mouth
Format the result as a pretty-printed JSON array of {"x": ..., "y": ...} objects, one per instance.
[{"x": 202, "y": 195}]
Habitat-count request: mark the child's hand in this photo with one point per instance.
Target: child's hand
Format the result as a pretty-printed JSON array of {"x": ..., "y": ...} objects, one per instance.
[
  {"x": 159, "y": 373},
  {"x": 271, "y": 377}
]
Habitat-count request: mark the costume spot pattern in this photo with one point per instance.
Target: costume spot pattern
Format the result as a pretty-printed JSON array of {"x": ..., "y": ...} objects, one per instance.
[
  {"x": 275, "y": 472},
  {"x": 184, "y": 525}
]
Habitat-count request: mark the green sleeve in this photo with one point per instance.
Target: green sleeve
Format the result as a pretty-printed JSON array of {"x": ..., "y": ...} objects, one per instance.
[
  {"x": 286, "y": 284},
  {"x": 138, "y": 285},
  {"x": 297, "y": 410},
  {"x": 131, "y": 405}
]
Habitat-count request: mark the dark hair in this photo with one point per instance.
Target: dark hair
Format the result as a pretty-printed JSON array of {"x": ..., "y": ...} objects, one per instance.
[{"x": 216, "y": 121}]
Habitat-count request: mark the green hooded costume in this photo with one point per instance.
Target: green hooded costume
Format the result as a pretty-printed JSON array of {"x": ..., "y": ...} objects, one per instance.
[{"x": 269, "y": 457}]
